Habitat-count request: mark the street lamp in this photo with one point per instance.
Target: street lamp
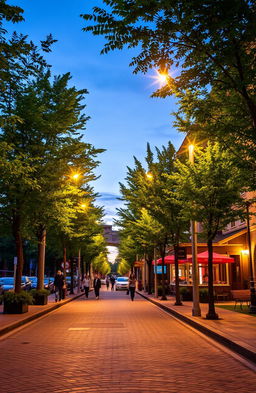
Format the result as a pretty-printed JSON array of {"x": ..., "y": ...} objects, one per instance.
[
  {"x": 196, "y": 311},
  {"x": 252, "y": 287},
  {"x": 149, "y": 176}
]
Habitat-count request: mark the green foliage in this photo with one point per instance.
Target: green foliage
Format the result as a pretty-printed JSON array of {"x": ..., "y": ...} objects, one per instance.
[
  {"x": 209, "y": 48},
  {"x": 38, "y": 292},
  {"x": 21, "y": 297},
  {"x": 123, "y": 267},
  {"x": 203, "y": 295},
  {"x": 210, "y": 189}
]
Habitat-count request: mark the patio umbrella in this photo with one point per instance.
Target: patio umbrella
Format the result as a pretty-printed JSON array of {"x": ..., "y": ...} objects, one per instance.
[
  {"x": 169, "y": 259},
  {"x": 217, "y": 258}
]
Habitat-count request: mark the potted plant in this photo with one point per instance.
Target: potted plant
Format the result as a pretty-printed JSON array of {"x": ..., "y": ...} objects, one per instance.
[
  {"x": 203, "y": 295},
  {"x": 185, "y": 294},
  {"x": 40, "y": 296},
  {"x": 16, "y": 303}
]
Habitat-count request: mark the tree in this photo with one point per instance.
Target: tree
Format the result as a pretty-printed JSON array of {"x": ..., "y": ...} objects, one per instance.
[
  {"x": 209, "y": 48},
  {"x": 152, "y": 214},
  {"x": 20, "y": 63},
  {"x": 210, "y": 193}
]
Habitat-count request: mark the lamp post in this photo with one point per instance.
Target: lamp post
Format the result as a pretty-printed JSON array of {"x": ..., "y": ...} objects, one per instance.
[
  {"x": 252, "y": 287},
  {"x": 155, "y": 275},
  {"x": 196, "y": 311}
]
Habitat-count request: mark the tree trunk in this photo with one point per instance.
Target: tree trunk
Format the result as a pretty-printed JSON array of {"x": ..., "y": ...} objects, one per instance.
[
  {"x": 163, "y": 276},
  {"x": 82, "y": 267},
  {"x": 149, "y": 262},
  {"x": 177, "y": 279},
  {"x": 211, "y": 310},
  {"x": 64, "y": 260},
  {"x": 19, "y": 251},
  {"x": 41, "y": 237},
  {"x": 71, "y": 276}
]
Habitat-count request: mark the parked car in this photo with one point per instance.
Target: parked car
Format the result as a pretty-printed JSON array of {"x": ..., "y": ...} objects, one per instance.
[
  {"x": 121, "y": 283},
  {"x": 7, "y": 283},
  {"x": 48, "y": 283},
  {"x": 103, "y": 281}
]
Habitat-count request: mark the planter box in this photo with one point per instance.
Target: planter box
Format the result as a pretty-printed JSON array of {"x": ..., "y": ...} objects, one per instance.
[
  {"x": 15, "y": 308},
  {"x": 40, "y": 300}
]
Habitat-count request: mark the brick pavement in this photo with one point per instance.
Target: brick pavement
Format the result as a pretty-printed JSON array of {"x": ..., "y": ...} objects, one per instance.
[
  {"x": 237, "y": 327},
  {"x": 10, "y": 321},
  {"x": 117, "y": 346}
]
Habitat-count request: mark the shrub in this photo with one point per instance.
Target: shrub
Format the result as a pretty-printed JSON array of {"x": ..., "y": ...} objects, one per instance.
[
  {"x": 21, "y": 297},
  {"x": 203, "y": 295},
  {"x": 39, "y": 292}
]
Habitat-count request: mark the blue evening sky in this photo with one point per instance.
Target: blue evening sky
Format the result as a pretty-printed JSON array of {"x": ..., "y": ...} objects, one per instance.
[{"x": 123, "y": 116}]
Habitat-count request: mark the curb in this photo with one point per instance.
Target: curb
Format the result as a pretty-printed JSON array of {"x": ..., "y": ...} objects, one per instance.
[
  {"x": 37, "y": 315},
  {"x": 233, "y": 346}
]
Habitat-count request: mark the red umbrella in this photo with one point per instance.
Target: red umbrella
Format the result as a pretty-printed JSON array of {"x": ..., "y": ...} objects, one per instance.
[
  {"x": 169, "y": 259},
  {"x": 217, "y": 258}
]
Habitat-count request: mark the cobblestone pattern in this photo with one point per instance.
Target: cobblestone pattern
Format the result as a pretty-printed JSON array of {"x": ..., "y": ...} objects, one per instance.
[{"x": 123, "y": 347}]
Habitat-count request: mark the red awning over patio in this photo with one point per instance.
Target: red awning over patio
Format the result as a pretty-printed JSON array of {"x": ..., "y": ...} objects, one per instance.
[
  {"x": 217, "y": 258},
  {"x": 169, "y": 259},
  {"x": 201, "y": 258}
]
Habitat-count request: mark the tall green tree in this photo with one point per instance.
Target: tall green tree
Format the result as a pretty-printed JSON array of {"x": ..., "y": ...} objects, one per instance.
[
  {"x": 151, "y": 208},
  {"x": 210, "y": 193},
  {"x": 208, "y": 49}
]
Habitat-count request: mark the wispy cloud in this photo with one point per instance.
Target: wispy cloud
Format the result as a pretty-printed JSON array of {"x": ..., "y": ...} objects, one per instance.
[{"x": 110, "y": 203}]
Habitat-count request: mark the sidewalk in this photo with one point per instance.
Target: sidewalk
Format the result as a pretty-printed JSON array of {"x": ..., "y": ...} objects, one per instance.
[
  {"x": 9, "y": 322},
  {"x": 235, "y": 330}
]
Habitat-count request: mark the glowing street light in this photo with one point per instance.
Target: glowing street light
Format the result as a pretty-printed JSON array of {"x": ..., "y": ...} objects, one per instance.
[
  {"x": 75, "y": 176},
  {"x": 162, "y": 78},
  {"x": 149, "y": 176}
]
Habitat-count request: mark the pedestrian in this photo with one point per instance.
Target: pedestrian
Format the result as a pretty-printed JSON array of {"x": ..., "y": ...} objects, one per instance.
[
  {"x": 107, "y": 282},
  {"x": 97, "y": 286},
  {"x": 112, "y": 280},
  {"x": 59, "y": 283},
  {"x": 132, "y": 285},
  {"x": 86, "y": 284}
]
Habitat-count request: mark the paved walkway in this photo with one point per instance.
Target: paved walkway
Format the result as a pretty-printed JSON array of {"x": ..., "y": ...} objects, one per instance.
[
  {"x": 9, "y": 321},
  {"x": 118, "y": 346},
  {"x": 238, "y": 327}
]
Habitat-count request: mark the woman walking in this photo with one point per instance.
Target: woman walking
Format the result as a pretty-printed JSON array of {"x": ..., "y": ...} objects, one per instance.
[
  {"x": 132, "y": 285},
  {"x": 86, "y": 284}
]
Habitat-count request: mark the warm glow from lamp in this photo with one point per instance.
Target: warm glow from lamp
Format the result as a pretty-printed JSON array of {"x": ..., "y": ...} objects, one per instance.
[
  {"x": 191, "y": 149},
  {"x": 245, "y": 252},
  {"x": 162, "y": 78},
  {"x": 75, "y": 176},
  {"x": 149, "y": 176}
]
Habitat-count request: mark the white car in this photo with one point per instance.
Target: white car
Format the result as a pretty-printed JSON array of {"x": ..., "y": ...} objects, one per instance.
[
  {"x": 122, "y": 283},
  {"x": 103, "y": 281}
]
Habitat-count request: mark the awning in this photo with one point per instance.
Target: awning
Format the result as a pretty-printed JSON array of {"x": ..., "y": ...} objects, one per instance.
[
  {"x": 169, "y": 259},
  {"x": 201, "y": 258},
  {"x": 217, "y": 258}
]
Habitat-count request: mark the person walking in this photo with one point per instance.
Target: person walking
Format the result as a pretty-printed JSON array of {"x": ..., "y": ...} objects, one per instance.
[
  {"x": 112, "y": 280},
  {"x": 107, "y": 282},
  {"x": 86, "y": 284},
  {"x": 97, "y": 286},
  {"x": 59, "y": 282},
  {"x": 132, "y": 285}
]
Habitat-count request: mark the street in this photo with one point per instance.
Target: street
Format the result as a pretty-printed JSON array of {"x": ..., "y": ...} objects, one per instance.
[{"x": 115, "y": 345}]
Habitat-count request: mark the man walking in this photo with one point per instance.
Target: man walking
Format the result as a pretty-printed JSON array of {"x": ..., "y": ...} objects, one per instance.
[
  {"x": 97, "y": 286},
  {"x": 86, "y": 284},
  {"x": 59, "y": 283},
  {"x": 112, "y": 280}
]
